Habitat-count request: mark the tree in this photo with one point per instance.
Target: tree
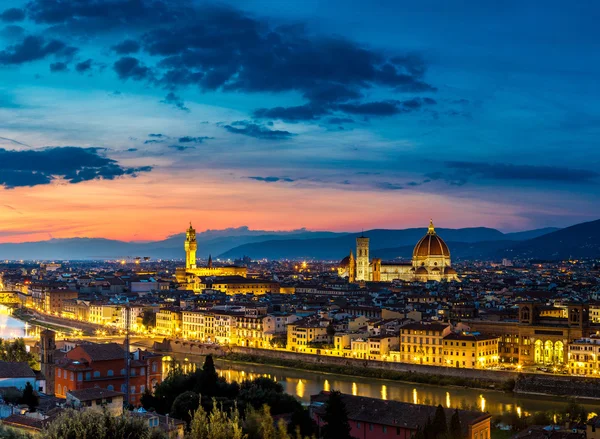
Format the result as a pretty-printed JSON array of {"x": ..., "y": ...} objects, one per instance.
[
  {"x": 149, "y": 319},
  {"x": 336, "y": 418},
  {"x": 16, "y": 351},
  {"x": 330, "y": 330},
  {"x": 439, "y": 427},
  {"x": 11, "y": 433},
  {"x": 216, "y": 424},
  {"x": 575, "y": 413},
  {"x": 73, "y": 424},
  {"x": 185, "y": 405},
  {"x": 210, "y": 378},
  {"x": 29, "y": 397},
  {"x": 455, "y": 427}
]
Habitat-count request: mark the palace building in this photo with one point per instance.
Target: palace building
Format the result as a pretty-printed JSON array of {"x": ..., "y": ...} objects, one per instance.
[
  {"x": 430, "y": 262},
  {"x": 191, "y": 271}
]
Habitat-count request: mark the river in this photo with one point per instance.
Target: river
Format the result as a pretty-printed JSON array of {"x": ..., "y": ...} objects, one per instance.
[
  {"x": 302, "y": 384},
  {"x": 11, "y": 327}
]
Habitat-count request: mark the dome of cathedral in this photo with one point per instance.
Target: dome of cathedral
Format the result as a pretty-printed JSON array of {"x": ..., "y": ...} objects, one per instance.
[
  {"x": 422, "y": 270},
  {"x": 431, "y": 245},
  {"x": 345, "y": 262}
]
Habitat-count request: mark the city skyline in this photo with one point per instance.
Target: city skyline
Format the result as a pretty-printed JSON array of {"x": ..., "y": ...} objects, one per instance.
[{"x": 126, "y": 121}]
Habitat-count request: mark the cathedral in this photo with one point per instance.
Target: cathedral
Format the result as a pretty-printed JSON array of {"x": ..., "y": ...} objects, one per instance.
[
  {"x": 191, "y": 271},
  {"x": 430, "y": 261}
]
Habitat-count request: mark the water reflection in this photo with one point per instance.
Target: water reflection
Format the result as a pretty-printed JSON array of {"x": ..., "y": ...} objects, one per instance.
[
  {"x": 11, "y": 327},
  {"x": 452, "y": 397}
]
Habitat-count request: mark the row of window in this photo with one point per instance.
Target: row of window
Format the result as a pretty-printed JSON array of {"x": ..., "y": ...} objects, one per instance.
[{"x": 88, "y": 375}]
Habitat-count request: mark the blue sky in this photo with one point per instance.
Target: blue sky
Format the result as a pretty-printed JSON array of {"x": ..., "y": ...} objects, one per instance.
[{"x": 281, "y": 114}]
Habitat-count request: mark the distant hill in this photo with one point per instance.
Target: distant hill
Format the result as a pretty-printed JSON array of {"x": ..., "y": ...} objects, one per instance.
[
  {"x": 390, "y": 240},
  {"x": 578, "y": 241},
  {"x": 581, "y": 240}
]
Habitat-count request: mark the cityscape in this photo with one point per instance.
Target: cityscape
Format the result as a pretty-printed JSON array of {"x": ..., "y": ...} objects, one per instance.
[{"x": 299, "y": 219}]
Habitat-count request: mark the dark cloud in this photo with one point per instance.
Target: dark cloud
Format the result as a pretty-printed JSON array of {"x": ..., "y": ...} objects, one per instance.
[
  {"x": 73, "y": 164},
  {"x": 159, "y": 135},
  {"x": 500, "y": 171},
  {"x": 148, "y": 142},
  {"x": 126, "y": 47},
  {"x": 339, "y": 120},
  {"x": 131, "y": 68},
  {"x": 258, "y": 131},
  {"x": 132, "y": 150},
  {"x": 12, "y": 32},
  {"x": 84, "y": 66},
  {"x": 188, "y": 139},
  {"x": 33, "y": 48},
  {"x": 176, "y": 101},
  {"x": 13, "y": 14},
  {"x": 387, "y": 186},
  {"x": 386, "y": 108},
  {"x": 58, "y": 67},
  {"x": 181, "y": 147},
  {"x": 292, "y": 114},
  {"x": 272, "y": 179}
]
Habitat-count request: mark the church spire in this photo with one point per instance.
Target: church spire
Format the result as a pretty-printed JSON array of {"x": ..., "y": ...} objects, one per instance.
[
  {"x": 431, "y": 229},
  {"x": 209, "y": 261}
]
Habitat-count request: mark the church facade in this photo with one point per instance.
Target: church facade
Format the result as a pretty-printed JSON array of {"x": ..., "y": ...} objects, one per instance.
[
  {"x": 191, "y": 271},
  {"x": 430, "y": 262}
]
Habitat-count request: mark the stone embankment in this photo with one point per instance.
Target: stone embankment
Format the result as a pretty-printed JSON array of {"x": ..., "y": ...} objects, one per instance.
[{"x": 577, "y": 387}]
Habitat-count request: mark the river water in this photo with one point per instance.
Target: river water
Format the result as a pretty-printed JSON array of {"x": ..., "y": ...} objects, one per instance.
[
  {"x": 302, "y": 384},
  {"x": 11, "y": 327}
]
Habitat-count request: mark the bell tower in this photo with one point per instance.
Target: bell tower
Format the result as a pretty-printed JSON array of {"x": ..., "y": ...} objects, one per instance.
[
  {"x": 351, "y": 268},
  {"x": 47, "y": 348},
  {"x": 362, "y": 258},
  {"x": 190, "y": 248}
]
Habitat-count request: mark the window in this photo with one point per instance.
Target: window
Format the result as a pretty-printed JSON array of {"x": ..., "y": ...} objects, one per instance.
[
  {"x": 96, "y": 374},
  {"x": 370, "y": 427},
  {"x": 109, "y": 400},
  {"x": 110, "y": 373},
  {"x": 79, "y": 376},
  {"x": 72, "y": 376},
  {"x": 59, "y": 372},
  {"x": 142, "y": 371},
  {"x": 133, "y": 372},
  {"x": 110, "y": 387},
  {"x": 358, "y": 425},
  {"x": 142, "y": 388},
  {"x": 384, "y": 429},
  {"x": 123, "y": 372},
  {"x": 59, "y": 388},
  {"x": 88, "y": 375},
  {"x": 132, "y": 389}
]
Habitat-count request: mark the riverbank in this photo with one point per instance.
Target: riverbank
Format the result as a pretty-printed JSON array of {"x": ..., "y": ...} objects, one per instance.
[
  {"x": 407, "y": 377},
  {"x": 22, "y": 315}
]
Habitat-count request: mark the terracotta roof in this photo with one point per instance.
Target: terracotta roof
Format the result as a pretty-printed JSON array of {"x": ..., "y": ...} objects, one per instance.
[
  {"x": 393, "y": 413},
  {"x": 93, "y": 393},
  {"x": 103, "y": 352},
  {"x": 431, "y": 245},
  {"x": 15, "y": 370},
  {"x": 548, "y": 432}
]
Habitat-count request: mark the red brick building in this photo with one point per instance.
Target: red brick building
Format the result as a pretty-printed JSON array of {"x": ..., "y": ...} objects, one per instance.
[
  {"x": 372, "y": 418},
  {"x": 92, "y": 365}
]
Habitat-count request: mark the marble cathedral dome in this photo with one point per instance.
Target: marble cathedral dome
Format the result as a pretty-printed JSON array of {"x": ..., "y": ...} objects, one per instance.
[{"x": 431, "y": 245}]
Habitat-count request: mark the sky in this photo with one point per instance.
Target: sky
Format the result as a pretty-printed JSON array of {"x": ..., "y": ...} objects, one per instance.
[{"x": 126, "y": 119}]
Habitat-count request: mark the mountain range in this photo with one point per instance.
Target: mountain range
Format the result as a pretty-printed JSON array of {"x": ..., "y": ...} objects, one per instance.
[{"x": 578, "y": 241}]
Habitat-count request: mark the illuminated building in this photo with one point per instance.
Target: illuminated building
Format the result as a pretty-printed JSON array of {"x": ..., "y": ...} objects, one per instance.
[
  {"x": 232, "y": 285},
  {"x": 471, "y": 351},
  {"x": 584, "y": 356},
  {"x": 534, "y": 339},
  {"x": 168, "y": 321},
  {"x": 302, "y": 334},
  {"x": 422, "y": 343},
  {"x": 430, "y": 262},
  {"x": 189, "y": 273}
]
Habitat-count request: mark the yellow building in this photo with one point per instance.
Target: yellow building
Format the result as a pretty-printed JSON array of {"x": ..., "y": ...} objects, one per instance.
[
  {"x": 301, "y": 334},
  {"x": 189, "y": 273},
  {"x": 233, "y": 284},
  {"x": 471, "y": 350},
  {"x": 168, "y": 321},
  {"x": 422, "y": 343},
  {"x": 430, "y": 262},
  {"x": 584, "y": 356}
]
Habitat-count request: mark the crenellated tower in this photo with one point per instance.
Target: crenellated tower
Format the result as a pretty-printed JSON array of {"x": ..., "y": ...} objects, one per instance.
[
  {"x": 47, "y": 348},
  {"x": 191, "y": 246}
]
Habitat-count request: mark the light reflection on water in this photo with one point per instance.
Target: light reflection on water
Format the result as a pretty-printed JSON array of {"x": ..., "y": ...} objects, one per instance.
[
  {"x": 303, "y": 383},
  {"x": 11, "y": 327}
]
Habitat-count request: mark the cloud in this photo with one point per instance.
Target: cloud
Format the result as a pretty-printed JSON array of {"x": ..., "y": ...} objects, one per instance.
[
  {"x": 71, "y": 163},
  {"x": 84, "y": 66},
  {"x": 258, "y": 131},
  {"x": 387, "y": 186},
  {"x": 500, "y": 171},
  {"x": 181, "y": 147},
  {"x": 33, "y": 48},
  {"x": 292, "y": 114},
  {"x": 272, "y": 179},
  {"x": 339, "y": 120},
  {"x": 159, "y": 135},
  {"x": 126, "y": 47},
  {"x": 13, "y": 14},
  {"x": 58, "y": 67},
  {"x": 12, "y": 32},
  {"x": 188, "y": 139},
  {"x": 386, "y": 108},
  {"x": 128, "y": 67},
  {"x": 147, "y": 142},
  {"x": 176, "y": 101}
]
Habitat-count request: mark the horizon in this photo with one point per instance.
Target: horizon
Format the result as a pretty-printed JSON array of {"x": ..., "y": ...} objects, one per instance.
[{"x": 283, "y": 115}]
